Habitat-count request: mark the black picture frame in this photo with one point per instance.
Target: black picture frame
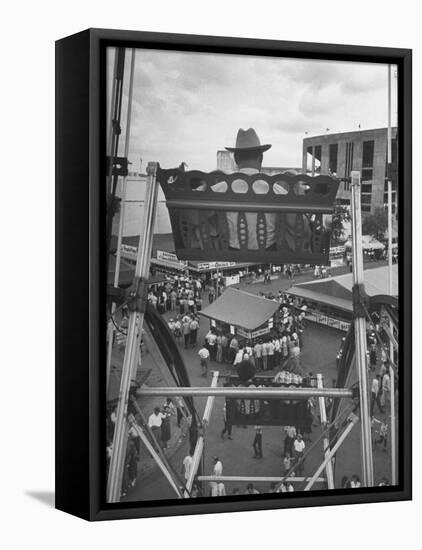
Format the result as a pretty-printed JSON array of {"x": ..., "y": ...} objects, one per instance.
[{"x": 80, "y": 277}]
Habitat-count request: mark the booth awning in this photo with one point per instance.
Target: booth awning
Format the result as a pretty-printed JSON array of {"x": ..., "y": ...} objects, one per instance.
[
  {"x": 368, "y": 243},
  {"x": 207, "y": 267},
  {"x": 337, "y": 291},
  {"x": 241, "y": 309}
]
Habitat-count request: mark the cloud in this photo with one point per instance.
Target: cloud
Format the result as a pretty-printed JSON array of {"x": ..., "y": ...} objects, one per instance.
[
  {"x": 186, "y": 106},
  {"x": 315, "y": 103}
]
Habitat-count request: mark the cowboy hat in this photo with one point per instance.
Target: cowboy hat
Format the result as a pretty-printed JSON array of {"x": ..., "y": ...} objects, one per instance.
[{"x": 248, "y": 140}]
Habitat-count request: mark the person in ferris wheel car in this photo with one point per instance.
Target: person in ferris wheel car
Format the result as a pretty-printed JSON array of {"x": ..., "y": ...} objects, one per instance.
[{"x": 270, "y": 231}]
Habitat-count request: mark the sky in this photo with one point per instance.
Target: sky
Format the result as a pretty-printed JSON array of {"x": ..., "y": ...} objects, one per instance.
[{"x": 186, "y": 106}]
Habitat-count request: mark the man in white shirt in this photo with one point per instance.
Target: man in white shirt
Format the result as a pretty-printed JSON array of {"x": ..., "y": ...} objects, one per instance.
[
  {"x": 258, "y": 355},
  {"x": 211, "y": 339},
  {"x": 217, "y": 489},
  {"x": 385, "y": 389},
  {"x": 204, "y": 355},
  {"x": 265, "y": 350},
  {"x": 355, "y": 482},
  {"x": 154, "y": 422},
  {"x": 298, "y": 450},
  {"x": 194, "y": 326},
  {"x": 375, "y": 395},
  {"x": 171, "y": 325},
  {"x": 187, "y": 465},
  {"x": 218, "y": 467},
  {"x": 233, "y": 348},
  {"x": 270, "y": 349},
  {"x": 238, "y": 357},
  {"x": 289, "y": 440},
  {"x": 277, "y": 352}
]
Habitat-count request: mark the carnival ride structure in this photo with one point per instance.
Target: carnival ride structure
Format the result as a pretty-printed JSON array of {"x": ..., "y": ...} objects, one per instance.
[{"x": 199, "y": 221}]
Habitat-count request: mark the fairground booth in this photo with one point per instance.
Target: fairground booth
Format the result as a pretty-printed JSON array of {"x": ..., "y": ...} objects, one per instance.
[
  {"x": 250, "y": 317},
  {"x": 329, "y": 301},
  {"x": 244, "y": 315}
]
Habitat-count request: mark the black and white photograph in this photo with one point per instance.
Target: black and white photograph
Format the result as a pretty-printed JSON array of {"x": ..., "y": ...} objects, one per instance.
[
  {"x": 211, "y": 274},
  {"x": 252, "y": 237}
]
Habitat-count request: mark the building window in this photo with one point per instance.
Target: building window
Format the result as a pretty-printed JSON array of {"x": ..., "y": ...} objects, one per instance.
[
  {"x": 367, "y": 188},
  {"x": 313, "y": 160},
  {"x": 367, "y": 160},
  {"x": 348, "y": 166},
  {"x": 368, "y": 154},
  {"x": 344, "y": 202},
  {"x": 309, "y": 160},
  {"x": 393, "y": 197},
  {"x": 333, "y": 157},
  {"x": 366, "y": 207},
  {"x": 318, "y": 155}
]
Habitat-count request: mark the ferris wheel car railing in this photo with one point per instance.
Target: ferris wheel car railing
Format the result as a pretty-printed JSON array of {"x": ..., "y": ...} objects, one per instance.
[{"x": 282, "y": 218}]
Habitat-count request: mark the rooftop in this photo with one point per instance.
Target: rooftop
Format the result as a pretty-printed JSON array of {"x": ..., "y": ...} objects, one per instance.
[
  {"x": 337, "y": 291},
  {"x": 241, "y": 309}
]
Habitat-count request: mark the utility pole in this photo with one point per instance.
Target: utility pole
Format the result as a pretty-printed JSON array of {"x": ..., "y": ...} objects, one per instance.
[
  {"x": 122, "y": 214},
  {"x": 360, "y": 332}
]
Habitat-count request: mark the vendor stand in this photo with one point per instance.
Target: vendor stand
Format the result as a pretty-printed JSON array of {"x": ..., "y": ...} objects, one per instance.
[{"x": 242, "y": 314}]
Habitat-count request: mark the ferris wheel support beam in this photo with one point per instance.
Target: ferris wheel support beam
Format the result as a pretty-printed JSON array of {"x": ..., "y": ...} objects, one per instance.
[
  {"x": 111, "y": 328},
  {"x": 167, "y": 474},
  {"x": 136, "y": 317},
  {"x": 352, "y": 421},
  {"x": 244, "y": 392},
  {"x": 157, "y": 359},
  {"x": 360, "y": 331},
  {"x": 260, "y": 479},
  {"x": 325, "y": 442},
  {"x": 199, "y": 448}
]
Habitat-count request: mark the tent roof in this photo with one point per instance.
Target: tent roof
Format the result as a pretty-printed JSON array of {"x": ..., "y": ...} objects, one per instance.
[
  {"x": 368, "y": 243},
  {"x": 337, "y": 291},
  {"x": 239, "y": 308}
]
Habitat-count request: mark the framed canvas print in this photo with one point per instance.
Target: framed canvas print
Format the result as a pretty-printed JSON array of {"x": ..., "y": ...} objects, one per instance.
[{"x": 233, "y": 274}]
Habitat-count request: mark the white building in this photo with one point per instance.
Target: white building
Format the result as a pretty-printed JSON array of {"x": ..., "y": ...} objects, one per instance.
[{"x": 135, "y": 196}]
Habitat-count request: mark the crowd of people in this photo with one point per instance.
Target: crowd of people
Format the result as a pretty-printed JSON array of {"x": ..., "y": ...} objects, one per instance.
[
  {"x": 217, "y": 488},
  {"x": 279, "y": 349},
  {"x": 159, "y": 423},
  {"x": 184, "y": 294}
]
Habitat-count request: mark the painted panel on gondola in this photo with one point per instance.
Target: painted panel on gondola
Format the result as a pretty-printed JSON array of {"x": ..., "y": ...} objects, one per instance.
[
  {"x": 242, "y": 217},
  {"x": 269, "y": 412}
]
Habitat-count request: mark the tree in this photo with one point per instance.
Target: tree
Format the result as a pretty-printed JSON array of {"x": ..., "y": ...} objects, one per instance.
[
  {"x": 337, "y": 223},
  {"x": 375, "y": 224}
]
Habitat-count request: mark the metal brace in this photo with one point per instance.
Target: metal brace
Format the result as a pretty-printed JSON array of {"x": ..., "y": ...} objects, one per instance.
[
  {"x": 137, "y": 295},
  {"x": 360, "y": 300}
]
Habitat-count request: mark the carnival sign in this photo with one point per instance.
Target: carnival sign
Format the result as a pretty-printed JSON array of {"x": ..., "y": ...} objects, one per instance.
[
  {"x": 326, "y": 320},
  {"x": 171, "y": 259}
]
